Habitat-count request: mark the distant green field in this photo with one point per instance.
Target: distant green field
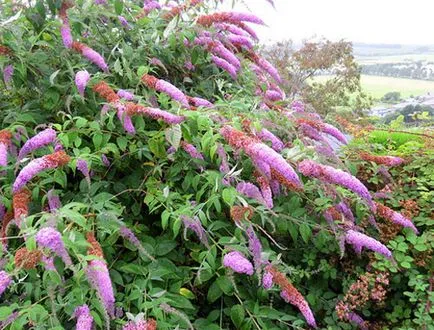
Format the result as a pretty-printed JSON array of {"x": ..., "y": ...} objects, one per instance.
[
  {"x": 377, "y": 86},
  {"x": 394, "y": 58}
]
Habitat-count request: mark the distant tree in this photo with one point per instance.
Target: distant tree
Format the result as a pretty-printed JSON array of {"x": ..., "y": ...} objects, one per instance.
[
  {"x": 334, "y": 59},
  {"x": 391, "y": 97}
]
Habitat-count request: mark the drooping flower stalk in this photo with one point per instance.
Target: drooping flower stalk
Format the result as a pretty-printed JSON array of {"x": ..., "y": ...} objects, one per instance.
[
  {"x": 169, "y": 309},
  {"x": 267, "y": 280},
  {"x": 195, "y": 225},
  {"x": 5, "y": 281},
  {"x": 276, "y": 143},
  {"x": 54, "y": 160},
  {"x": 324, "y": 128},
  {"x": 20, "y": 202},
  {"x": 395, "y": 217},
  {"x": 359, "y": 241},
  {"x": 191, "y": 150},
  {"x": 225, "y": 65},
  {"x": 199, "y": 102},
  {"x": 84, "y": 318},
  {"x": 240, "y": 41},
  {"x": 218, "y": 49},
  {"x": 125, "y": 118},
  {"x": 126, "y": 95},
  {"x": 238, "y": 263},
  {"x": 255, "y": 248},
  {"x": 148, "y": 6},
  {"x": 8, "y": 72},
  {"x": 98, "y": 276},
  {"x": 81, "y": 80},
  {"x": 53, "y": 201},
  {"x": 251, "y": 191},
  {"x": 266, "y": 66},
  {"x": 332, "y": 175},
  {"x": 228, "y": 17},
  {"x": 128, "y": 235},
  {"x": 83, "y": 167},
  {"x": 381, "y": 160},
  {"x": 154, "y": 113},
  {"x": 42, "y": 139},
  {"x": 51, "y": 239},
  {"x": 267, "y": 161},
  {"x": 291, "y": 295},
  {"x": 65, "y": 32},
  {"x": 165, "y": 87},
  {"x": 90, "y": 54},
  {"x": 5, "y": 141}
]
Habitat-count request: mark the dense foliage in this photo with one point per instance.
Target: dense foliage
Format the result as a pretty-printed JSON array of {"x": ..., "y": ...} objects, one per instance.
[{"x": 154, "y": 175}]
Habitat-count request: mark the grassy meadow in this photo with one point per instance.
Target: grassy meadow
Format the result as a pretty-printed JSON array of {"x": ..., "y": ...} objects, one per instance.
[{"x": 377, "y": 86}]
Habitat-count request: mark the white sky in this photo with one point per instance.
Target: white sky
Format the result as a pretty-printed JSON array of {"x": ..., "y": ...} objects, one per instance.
[{"x": 371, "y": 21}]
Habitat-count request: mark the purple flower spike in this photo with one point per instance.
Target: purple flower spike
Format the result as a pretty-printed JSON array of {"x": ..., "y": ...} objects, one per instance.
[
  {"x": 105, "y": 160},
  {"x": 172, "y": 91},
  {"x": 333, "y": 131},
  {"x": 225, "y": 65},
  {"x": 191, "y": 150},
  {"x": 53, "y": 201},
  {"x": 332, "y": 175},
  {"x": 65, "y": 32},
  {"x": 266, "y": 135},
  {"x": 357, "y": 319},
  {"x": 126, "y": 95},
  {"x": 251, "y": 191},
  {"x": 98, "y": 276},
  {"x": 124, "y": 22},
  {"x": 8, "y": 72},
  {"x": 359, "y": 241},
  {"x": 199, "y": 102},
  {"x": 40, "y": 140},
  {"x": 84, "y": 318},
  {"x": 240, "y": 40},
  {"x": 125, "y": 119},
  {"x": 196, "y": 226},
  {"x": 5, "y": 281},
  {"x": 83, "y": 167},
  {"x": 238, "y": 263},
  {"x": 51, "y": 239},
  {"x": 81, "y": 80},
  {"x": 267, "y": 280},
  {"x": 128, "y": 235},
  {"x": 3, "y": 154},
  {"x": 255, "y": 247}
]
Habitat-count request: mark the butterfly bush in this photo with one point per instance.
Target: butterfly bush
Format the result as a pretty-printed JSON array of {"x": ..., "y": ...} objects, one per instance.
[
  {"x": 382, "y": 160},
  {"x": 195, "y": 225},
  {"x": 5, "y": 139},
  {"x": 56, "y": 159},
  {"x": 128, "y": 235},
  {"x": 238, "y": 263},
  {"x": 81, "y": 80},
  {"x": 359, "y": 241},
  {"x": 165, "y": 87},
  {"x": 90, "y": 54},
  {"x": 42, "y": 139},
  {"x": 5, "y": 281},
  {"x": 332, "y": 175},
  {"x": 51, "y": 239},
  {"x": 84, "y": 318},
  {"x": 53, "y": 200},
  {"x": 8, "y": 72},
  {"x": 395, "y": 217}
]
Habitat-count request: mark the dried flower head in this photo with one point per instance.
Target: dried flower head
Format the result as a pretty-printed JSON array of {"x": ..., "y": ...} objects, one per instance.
[{"x": 27, "y": 259}]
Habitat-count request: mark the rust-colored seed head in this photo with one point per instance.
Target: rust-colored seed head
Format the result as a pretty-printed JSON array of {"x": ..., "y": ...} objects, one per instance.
[
  {"x": 57, "y": 158},
  {"x": 20, "y": 202},
  {"x": 78, "y": 46},
  {"x": 95, "y": 249},
  {"x": 5, "y": 136},
  {"x": 275, "y": 175},
  {"x": 106, "y": 92},
  {"x": 239, "y": 213},
  {"x": 27, "y": 259},
  {"x": 149, "y": 81},
  {"x": 5, "y": 50},
  {"x": 4, "y": 228}
]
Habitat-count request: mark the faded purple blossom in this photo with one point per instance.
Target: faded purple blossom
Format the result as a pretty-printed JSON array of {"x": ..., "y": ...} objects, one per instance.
[
  {"x": 125, "y": 119},
  {"x": 357, "y": 319},
  {"x": 276, "y": 143},
  {"x": 238, "y": 263},
  {"x": 105, "y": 109},
  {"x": 267, "y": 280},
  {"x": 189, "y": 66},
  {"x": 325, "y": 150},
  {"x": 124, "y": 22},
  {"x": 126, "y": 95},
  {"x": 84, "y": 318},
  {"x": 273, "y": 95},
  {"x": 48, "y": 262},
  {"x": 105, "y": 160},
  {"x": 346, "y": 211},
  {"x": 335, "y": 176},
  {"x": 8, "y": 72},
  {"x": 395, "y": 217},
  {"x": 98, "y": 276},
  {"x": 251, "y": 191},
  {"x": 195, "y": 225},
  {"x": 302, "y": 305},
  {"x": 255, "y": 247},
  {"x": 11, "y": 318},
  {"x": 65, "y": 32},
  {"x": 51, "y": 239},
  {"x": 269, "y": 68},
  {"x": 81, "y": 80},
  {"x": 157, "y": 62},
  {"x": 53, "y": 201},
  {"x": 297, "y": 106},
  {"x": 100, "y": 2},
  {"x": 359, "y": 241},
  {"x": 191, "y": 150},
  {"x": 40, "y": 140},
  {"x": 5, "y": 281},
  {"x": 225, "y": 65},
  {"x": 128, "y": 235},
  {"x": 266, "y": 192},
  {"x": 83, "y": 167},
  {"x": 150, "y": 5},
  {"x": 240, "y": 40}
]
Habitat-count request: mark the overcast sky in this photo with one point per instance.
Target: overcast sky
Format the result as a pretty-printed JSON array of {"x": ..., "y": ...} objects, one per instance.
[{"x": 371, "y": 21}]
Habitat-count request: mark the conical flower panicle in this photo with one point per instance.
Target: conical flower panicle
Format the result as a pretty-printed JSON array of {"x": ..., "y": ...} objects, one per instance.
[
  {"x": 165, "y": 87},
  {"x": 238, "y": 263},
  {"x": 90, "y": 54},
  {"x": 395, "y": 217},
  {"x": 381, "y": 160},
  {"x": 20, "y": 203},
  {"x": 290, "y": 294},
  {"x": 106, "y": 92},
  {"x": 40, "y": 140},
  {"x": 84, "y": 318},
  {"x": 5, "y": 140},
  {"x": 359, "y": 241},
  {"x": 51, "y": 239}
]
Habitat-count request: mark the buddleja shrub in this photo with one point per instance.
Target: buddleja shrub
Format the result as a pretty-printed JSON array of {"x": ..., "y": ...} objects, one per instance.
[{"x": 154, "y": 175}]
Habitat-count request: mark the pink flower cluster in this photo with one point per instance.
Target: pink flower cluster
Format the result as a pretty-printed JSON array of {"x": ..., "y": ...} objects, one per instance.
[
  {"x": 165, "y": 87},
  {"x": 5, "y": 281},
  {"x": 81, "y": 80},
  {"x": 84, "y": 318},
  {"x": 40, "y": 140},
  {"x": 359, "y": 241},
  {"x": 51, "y": 239},
  {"x": 90, "y": 54},
  {"x": 195, "y": 225},
  {"x": 238, "y": 263}
]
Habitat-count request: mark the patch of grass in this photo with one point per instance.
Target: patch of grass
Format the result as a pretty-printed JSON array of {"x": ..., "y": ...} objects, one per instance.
[{"x": 396, "y": 138}]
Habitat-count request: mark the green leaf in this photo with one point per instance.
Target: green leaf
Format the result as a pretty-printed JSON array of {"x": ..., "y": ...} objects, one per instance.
[
  {"x": 305, "y": 232},
  {"x": 214, "y": 292},
  {"x": 237, "y": 315},
  {"x": 5, "y": 311},
  {"x": 119, "y": 6},
  {"x": 229, "y": 195},
  {"x": 225, "y": 284},
  {"x": 122, "y": 143}
]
